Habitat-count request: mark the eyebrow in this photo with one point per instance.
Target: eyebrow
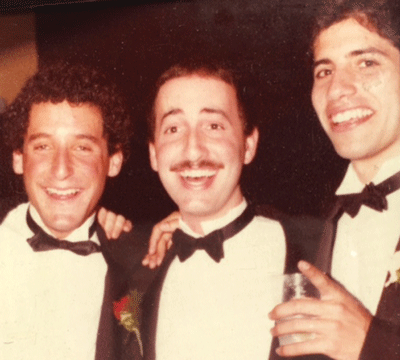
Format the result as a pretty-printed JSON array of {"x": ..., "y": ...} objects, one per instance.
[
  {"x": 215, "y": 111},
  {"x": 33, "y": 137},
  {"x": 355, "y": 53},
  {"x": 36, "y": 136},
  {"x": 202, "y": 111}
]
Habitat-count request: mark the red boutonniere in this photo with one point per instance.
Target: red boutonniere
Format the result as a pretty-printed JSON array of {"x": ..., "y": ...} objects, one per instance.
[{"x": 127, "y": 312}]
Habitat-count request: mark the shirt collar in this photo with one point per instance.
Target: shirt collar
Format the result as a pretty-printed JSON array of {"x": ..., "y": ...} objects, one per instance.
[
  {"x": 79, "y": 234},
  {"x": 214, "y": 224},
  {"x": 351, "y": 183}
]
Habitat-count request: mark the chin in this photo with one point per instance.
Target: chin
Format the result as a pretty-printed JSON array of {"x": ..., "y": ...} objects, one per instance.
[
  {"x": 63, "y": 224},
  {"x": 196, "y": 209}
]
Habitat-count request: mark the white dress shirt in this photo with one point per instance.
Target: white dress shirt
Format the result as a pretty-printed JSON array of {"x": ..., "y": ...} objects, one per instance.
[
  {"x": 365, "y": 244},
  {"x": 50, "y": 301},
  {"x": 212, "y": 310}
]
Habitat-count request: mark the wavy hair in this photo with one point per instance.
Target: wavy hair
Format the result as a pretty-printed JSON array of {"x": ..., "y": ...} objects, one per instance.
[{"x": 77, "y": 84}]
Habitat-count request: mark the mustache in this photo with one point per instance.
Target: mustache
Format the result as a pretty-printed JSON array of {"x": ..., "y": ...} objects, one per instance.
[{"x": 188, "y": 165}]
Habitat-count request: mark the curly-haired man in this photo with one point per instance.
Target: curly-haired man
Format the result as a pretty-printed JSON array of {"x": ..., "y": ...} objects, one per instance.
[{"x": 69, "y": 131}]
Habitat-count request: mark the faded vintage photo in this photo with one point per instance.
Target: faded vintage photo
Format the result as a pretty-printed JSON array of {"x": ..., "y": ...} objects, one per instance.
[{"x": 200, "y": 179}]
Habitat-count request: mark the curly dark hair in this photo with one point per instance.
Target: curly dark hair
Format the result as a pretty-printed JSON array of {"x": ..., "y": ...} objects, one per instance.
[
  {"x": 216, "y": 70},
  {"x": 381, "y": 16},
  {"x": 78, "y": 84}
]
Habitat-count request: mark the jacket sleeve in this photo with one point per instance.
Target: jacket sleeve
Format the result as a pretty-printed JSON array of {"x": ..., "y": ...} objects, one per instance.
[{"x": 382, "y": 341}]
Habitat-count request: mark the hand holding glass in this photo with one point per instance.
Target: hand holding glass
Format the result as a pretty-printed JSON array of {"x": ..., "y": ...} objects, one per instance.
[{"x": 296, "y": 286}]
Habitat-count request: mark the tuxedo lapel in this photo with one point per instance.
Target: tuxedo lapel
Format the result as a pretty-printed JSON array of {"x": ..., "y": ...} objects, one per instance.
[
  {"x": 303, "y": 242},
  {"x": 110, "y": 335},
  {"x": 389, "y": 304},
  {"x": 113, "y": 340},
  {"x": 151, "y": 302},
  {"x": 323, "y": 259},
  {"x": 303, "y": 236},
  {"x": 384, "y": 331}
]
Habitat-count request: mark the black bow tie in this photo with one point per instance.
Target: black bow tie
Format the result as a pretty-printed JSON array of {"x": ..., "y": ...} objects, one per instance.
[
  {"x": 373, "y": 196},
  {"x": 42, "y": 241},
  {"x": 186, "y": 245}
]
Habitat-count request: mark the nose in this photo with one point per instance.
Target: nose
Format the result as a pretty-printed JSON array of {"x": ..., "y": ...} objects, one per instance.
[
  {"x": 195, "y": 146},
  {"x": 62, "y": 164},
  {"x": 342, "y": 84}
]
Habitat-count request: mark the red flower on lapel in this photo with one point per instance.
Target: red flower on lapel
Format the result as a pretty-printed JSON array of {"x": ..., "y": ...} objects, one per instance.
[
  {"x": 121, "y": 306},
  {"x": 127, "y": 312}
]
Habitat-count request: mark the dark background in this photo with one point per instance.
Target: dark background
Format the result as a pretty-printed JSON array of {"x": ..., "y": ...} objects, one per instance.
[{"x": 296, "y": 169}]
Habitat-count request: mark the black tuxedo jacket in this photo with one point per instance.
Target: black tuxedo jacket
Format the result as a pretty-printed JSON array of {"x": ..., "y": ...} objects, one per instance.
[
  {"x": 312, "y": 239},
  {"x": 123, "y": 257},
  {"x": 302, "y": 234},
  {"x": 307, "y": 238},
  {"x": 303, "y": 237}
]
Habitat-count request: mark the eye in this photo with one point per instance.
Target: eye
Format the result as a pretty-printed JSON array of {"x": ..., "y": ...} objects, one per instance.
[
  {"x": 41, "y": 147},
  {"x": 171, "y": 130},
  {"x": 368, "y": 63},
  {"x": 83, "y": 148},
  {"x": 320, "y": 74},
  {"x": 216, "y": 126}
]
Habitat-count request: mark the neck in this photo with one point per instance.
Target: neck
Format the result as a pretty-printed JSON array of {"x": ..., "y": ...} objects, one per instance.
[
  {"x": 195, "y": 221},
  {"x": 365, "y": 173},
  {"x": 59, "y": 234},
  {"x": 366, "y": 168}
]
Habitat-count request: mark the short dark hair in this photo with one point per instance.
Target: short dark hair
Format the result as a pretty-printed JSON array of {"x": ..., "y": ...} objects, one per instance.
[
  {"x": 209, "y": 69},
  {"x": 78, "y": 84},
  {"x": 381, "y": 16}
]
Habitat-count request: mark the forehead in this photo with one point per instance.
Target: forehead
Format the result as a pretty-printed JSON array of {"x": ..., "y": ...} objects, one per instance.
[
  {"x": 347, "y": 36},
  {"x": 47, "y": 116},
  {"x": 195, "y": 92}
]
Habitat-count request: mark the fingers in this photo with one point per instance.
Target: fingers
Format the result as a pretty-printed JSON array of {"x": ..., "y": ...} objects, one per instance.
[
  {"x": 128, "y": 226},
  {"x": 339, "y": 321},
  {"x": 113, "y": 224},
  {"x": 101, "y": 216},
  {"x": 154, "y": 260},
  {"x": 161, "y": 240},
  {"x": 319, "y": 279},
  {"x": 304, "y": 324},
  {"x": 165, "y": 226},
  {"x": 106, "y": 219},
  {"x": 163, "y": 245},
  {"x": 333, "y": 338},
  {"x": 314, "y": 346},
  {"x": 118, "y": 226},
  {"x": 305, "y": 306},
  {"x": 149, "y": 261}
]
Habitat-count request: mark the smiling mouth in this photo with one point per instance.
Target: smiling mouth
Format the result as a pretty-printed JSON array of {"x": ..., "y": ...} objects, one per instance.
[
  {"x": 198, "y": 179},
  {"x": 198, "y": 174},
  {"x": 351, "y": 116},
  {"x": 62, "y": 194}
]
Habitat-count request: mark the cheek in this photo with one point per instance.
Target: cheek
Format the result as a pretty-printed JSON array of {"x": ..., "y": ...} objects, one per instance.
[
  {"x": 375, "y": 85},
  {"x": 33, "y": 168},
  {"x": 230, "y": 151},
  {"x": 91, "y": 165},
  {"x": 316, "y": 98},
  {"x": 167, "y": 154}
]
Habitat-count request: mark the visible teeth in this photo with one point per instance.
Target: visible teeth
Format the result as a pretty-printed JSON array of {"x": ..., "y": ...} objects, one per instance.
[
  {"x": 350, "y": 115},
  {"x": 198, "y": 173},
  {"x": 62, "y": 192}
]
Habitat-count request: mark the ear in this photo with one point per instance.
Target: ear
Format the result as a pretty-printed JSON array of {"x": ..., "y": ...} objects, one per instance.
[
  {"x": 251, "y": 146},
  {"x": 115, "y": 164},
  {"x": 153, "y": 157},
  {"x": 18, "y": 162}
]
